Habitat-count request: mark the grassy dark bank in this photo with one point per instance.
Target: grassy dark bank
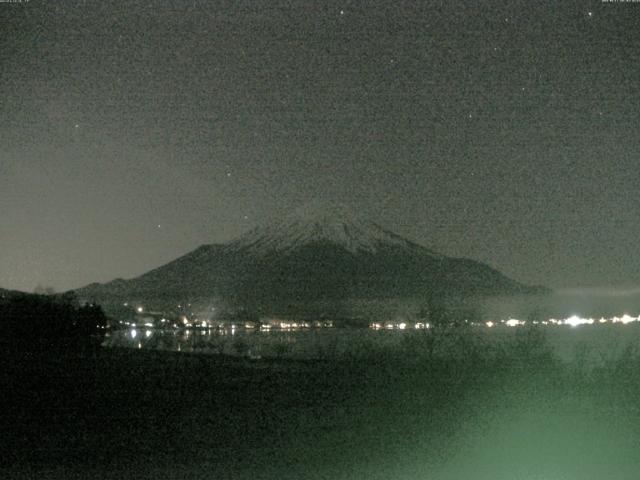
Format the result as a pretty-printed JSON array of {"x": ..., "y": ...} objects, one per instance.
[
  {"x": 443, "y": 406},
  {"x": 122, "y": 407}
]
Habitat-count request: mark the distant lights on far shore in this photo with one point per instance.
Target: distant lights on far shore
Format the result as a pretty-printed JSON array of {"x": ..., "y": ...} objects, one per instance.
[
  {"x": 572, "y": 321},
  {"x": 189, "y": 320},
  {"x": 625, "y": 319}
]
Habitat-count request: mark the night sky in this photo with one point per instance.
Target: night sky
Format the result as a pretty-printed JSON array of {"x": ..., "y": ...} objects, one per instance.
[{"x": 505, "y": 131}]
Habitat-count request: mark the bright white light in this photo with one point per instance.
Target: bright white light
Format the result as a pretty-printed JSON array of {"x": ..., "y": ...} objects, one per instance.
[
  {"x": 140, "y": 309},
  {"x": 512, "y": 322},
  {"x": 147, "y": 333},
  {"x": 134, "y": 333},
  {"x": 489, "y": 324},
  {"x": 148, "y": 324},
  {"x": 627, "y": 319},
  {"x": 574, "y": 321},
  {"x": 402, "y": 326}
]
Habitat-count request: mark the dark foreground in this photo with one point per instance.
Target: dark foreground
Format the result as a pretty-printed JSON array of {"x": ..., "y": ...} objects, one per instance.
[{"x": 122, "y": 414}]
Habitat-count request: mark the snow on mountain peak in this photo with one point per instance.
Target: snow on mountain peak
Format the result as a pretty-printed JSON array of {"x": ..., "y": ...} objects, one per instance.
[{"x": 320, "y": 222}]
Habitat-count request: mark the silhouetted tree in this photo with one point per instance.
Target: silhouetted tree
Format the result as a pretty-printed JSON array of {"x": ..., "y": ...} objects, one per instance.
[
  {"x": 42, "y": 321},
  {"x": 40, "y": 290}
]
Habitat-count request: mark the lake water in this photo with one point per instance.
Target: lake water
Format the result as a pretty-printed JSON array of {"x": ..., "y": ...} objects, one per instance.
[
  {"x": 594, "y": 343},
  {"x": 597, "y": 340}
]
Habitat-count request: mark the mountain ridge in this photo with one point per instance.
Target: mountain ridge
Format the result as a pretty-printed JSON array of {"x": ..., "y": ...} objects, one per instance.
[{"x": 311, "y": 254}]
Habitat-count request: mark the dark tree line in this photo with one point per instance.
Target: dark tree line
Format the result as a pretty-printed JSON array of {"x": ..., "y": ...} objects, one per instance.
[{"x": 49, "y": 320}]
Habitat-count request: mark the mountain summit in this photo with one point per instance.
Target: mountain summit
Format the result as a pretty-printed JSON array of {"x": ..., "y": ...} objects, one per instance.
[
  {"x": 320, "y": 223},
  {"x": 318, "y": 252}
]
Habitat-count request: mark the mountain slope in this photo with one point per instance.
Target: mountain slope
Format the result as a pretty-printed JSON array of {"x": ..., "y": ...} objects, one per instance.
[{"x": 312, "y": 254}]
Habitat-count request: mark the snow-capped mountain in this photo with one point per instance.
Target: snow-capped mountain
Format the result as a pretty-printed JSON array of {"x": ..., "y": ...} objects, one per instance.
[
  {"x": 317, "y": 252},
  {"x": 318, "y": 222}
]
